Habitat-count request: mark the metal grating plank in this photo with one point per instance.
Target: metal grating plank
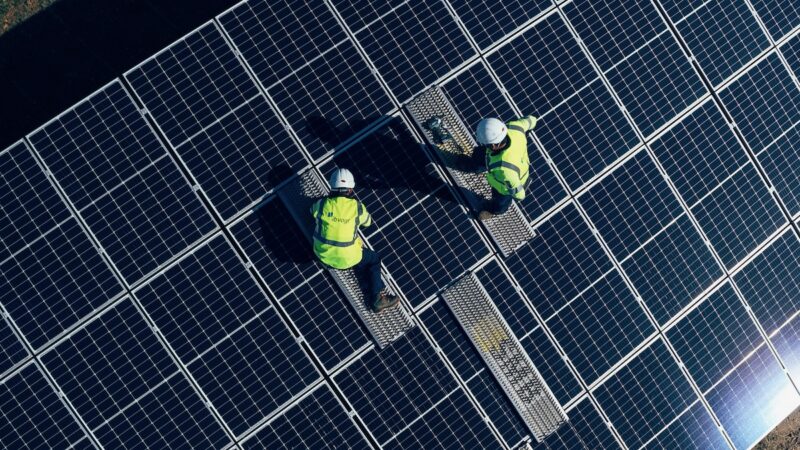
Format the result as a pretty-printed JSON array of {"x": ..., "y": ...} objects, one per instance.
[
  {"x": 455, "y": 143},
  {"x": 504, "y": 355},
  {"x": 386, "y": 326}
]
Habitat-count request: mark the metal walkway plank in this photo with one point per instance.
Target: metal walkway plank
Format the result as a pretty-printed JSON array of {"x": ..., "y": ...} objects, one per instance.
[
  {"x": 386, "y": 326},
  {"x": 446, "y": 132},
  {"x": 504, "y": 356}
]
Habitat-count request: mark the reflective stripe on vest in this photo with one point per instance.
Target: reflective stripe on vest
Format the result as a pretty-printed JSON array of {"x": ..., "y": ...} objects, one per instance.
[
  {"x": 516, "y": 128},
  {"x": 505, "y": 164},
  {"x": 327, "y": 241}
]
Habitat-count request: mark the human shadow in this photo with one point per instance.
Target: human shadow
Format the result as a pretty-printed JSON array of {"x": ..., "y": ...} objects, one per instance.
[
  {"x": 281, "y": 236},
  {"x": 387, "y": 158}
]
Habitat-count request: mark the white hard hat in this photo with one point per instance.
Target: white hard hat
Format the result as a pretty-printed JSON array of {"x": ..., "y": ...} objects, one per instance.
[
  {"x": 491, "y": 131},
  {"x": 342, "y": 179}
]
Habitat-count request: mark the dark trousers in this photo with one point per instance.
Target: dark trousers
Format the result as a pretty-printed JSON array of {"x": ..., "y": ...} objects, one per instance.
[
  {"x": 499, "y": 202},
  {"x": 370, "y": 269}
]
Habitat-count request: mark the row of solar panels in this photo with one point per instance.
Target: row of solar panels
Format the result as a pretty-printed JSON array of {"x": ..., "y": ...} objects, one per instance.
[{"x": 118, "y": 219}]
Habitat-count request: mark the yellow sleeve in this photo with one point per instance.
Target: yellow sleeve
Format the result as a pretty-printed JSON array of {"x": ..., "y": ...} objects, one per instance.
[
  {"x": 523, "y": 124},
  {"x": 365, "y": 219}
]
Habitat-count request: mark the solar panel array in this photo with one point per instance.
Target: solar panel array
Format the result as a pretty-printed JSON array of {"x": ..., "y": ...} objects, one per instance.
[{"x": 157, "y": 294}]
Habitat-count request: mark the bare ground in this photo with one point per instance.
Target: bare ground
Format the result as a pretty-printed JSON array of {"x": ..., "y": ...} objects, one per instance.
[
  {"x": 13, "y": 12},
  {"x": 785, "y": 436}
]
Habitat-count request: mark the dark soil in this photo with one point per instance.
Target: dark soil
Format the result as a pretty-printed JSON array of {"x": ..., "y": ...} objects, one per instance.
[{"x": 57, "y": 57}]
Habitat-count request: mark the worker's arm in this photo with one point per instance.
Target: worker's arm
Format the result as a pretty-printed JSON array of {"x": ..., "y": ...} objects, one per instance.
[
  {"x": 514, "y": 185},
  {"x": 523, "y": 124},
  {"x": 364, "y": 219}
]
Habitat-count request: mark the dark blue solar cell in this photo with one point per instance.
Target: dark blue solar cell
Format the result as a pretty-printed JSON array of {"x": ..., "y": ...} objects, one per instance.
[
  {"x": 770, "y": 283},
  {"x": 791, "y": 51},
  {"x": 390, "y": 388},
  {"x": 489, "y": 21},
  {"x": 455, "y": 345},
  {"x": 414, "y": 45},
  {"x": 192, "y": 84},
  {"x": 126, "y": 387},
  {"x": 452, "y": 422},
  {"x": 693, "y": 429},
  {"x": 723, "y": 36},
  {"x": 241, "y": 157},
  {"x": 542, "y": 67},
  {"x": 109, "y": 363},
  {"x": 318, "y": 419},
  {"x": 551, "y": 365},
  {"x": 11, "y": 349},
  {"x": 172, "y": 415},
  {"x": 277, "y": 37},
  {"x": 600, "y": 326},
  {"x": 221, "y": 325},
  {"x": 330, "y": 99},
  {"x": 359, "y": 13},
  {"x": 326, "y": 320},
  {"x": 656, "y": 83},
  {"x": 781, "y": 162},
  {"x": 475, "y": 95},
  {"x": 613, "y": 30},
  {"x": 544, "y": 190},
  {"x": 585, "y": 134},
  {"x": 764, "y": 102},
  {"x": 202, "y": 299},
  {"x": 645, "y": 395},
  {"x": 147, "y": 220},
  {"x": 714, "y": 337},
  {"x": 281, "y": 254},
  {"x": 779, "y": 16},
  {"x": 751, "y": 400},
  {"x": 586, "y": 429},
  {"x": 785, "y": 342},
  {"x": 29, "y": 205},
  {"x": 680, "y": 9},
  {"x": 497, "y": 406},
  {"x": 54, "y": 282},
  {"x": 560, "y": 262},
  {"x": 255, "y": 369},
  {"x": 699, "y": 153},
  {"x": 428, "y": 246},
  {"x": 97, "y": 145},
  {"x": 739, "y": 215},
  {"x": 631, "y": 205},
  {"x": 34, "y": 415},
  {"x": 672, "y": 269},
  {"x": 505, "y": 297},
  {"x": 390, "y": 173}
]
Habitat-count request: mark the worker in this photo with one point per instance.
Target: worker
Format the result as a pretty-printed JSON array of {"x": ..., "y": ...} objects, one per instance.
[
  {"x": 507, "y": 162},
  {"x": 336, "y": 240}
]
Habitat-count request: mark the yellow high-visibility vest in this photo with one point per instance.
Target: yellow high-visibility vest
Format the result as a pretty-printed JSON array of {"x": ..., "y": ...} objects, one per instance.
[
  {"x": 508, "y": 170},
  {"x": 336, "y": 240}
]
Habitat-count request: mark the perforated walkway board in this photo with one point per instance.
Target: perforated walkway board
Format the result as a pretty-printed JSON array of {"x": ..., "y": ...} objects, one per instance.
[
  {"x": 448, "y": 134},
  {"x": 385, "y": 326},
  {"x": 504, "y": 355}
]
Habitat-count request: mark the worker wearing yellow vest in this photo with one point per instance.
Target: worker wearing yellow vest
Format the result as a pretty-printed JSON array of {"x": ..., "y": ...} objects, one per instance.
[
  {"x": 507, "y": 162},
  {"x": 336, "y": 242}
]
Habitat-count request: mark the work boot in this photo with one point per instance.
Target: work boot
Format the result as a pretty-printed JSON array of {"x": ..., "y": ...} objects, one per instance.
[
  {"x": 485, "y": 215},
  {"x": 384, "y": 301}
]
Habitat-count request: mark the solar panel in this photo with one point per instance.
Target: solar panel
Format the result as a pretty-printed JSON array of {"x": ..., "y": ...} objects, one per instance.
[{"x": 158, "y": 292}]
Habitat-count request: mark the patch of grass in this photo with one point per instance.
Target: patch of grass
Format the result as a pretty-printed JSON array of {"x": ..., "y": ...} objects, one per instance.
[{"x": 13, "y": 12}]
